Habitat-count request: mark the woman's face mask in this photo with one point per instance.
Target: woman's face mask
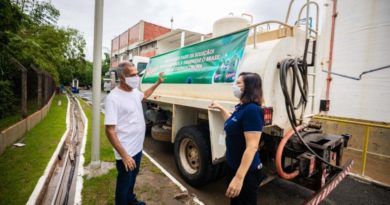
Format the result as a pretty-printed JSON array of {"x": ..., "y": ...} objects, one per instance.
[
  {"x": 237, "y": 92},
  {"x": 238, "y": 87},
  {"x": 133, "y": 82}
]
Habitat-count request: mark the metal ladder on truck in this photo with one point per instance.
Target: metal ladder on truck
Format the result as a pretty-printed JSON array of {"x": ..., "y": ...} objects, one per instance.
[{"x": 311, "y": 37}]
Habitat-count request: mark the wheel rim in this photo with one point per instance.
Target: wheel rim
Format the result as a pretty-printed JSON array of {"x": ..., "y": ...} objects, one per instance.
[{"x": 189, "y": 156}]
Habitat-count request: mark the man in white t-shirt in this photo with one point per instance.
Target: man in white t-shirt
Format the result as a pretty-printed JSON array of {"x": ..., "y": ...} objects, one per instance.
[{"x": 125, "y": 129}]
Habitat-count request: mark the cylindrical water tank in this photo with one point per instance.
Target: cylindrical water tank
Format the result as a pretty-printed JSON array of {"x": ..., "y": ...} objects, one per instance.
[{"x": 229, "y": 24}]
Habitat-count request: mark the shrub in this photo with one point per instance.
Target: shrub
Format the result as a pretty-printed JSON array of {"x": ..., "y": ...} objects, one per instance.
[{"x": 7, "y": 99}]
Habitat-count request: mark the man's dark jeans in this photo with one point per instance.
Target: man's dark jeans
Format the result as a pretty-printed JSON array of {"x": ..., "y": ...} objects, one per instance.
[{"x": 125, "y": 181}]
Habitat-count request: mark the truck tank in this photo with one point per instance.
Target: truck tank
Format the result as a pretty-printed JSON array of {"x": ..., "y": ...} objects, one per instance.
[
  {"x": 284, "y": 57},
  {"x": 271, "y": 48}
]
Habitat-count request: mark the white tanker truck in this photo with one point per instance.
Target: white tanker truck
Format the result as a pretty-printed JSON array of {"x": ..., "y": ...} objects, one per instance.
[{"x": 284, "y": 56}]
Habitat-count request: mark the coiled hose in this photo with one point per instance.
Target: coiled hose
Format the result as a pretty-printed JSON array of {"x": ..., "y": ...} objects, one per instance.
[{"x": 299, "y": 78}]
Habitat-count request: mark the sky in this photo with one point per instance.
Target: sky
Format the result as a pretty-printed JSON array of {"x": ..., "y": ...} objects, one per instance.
[{"x": 197, "y": 16}]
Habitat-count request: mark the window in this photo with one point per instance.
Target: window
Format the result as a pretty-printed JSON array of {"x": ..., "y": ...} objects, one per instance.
[{"x": 141, "y": 67}]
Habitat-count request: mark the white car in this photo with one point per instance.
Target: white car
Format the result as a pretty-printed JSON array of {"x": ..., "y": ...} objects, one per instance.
[{"x": 107, "y": 85}]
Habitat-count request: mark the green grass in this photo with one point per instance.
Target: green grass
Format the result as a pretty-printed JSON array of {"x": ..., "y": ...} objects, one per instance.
[
  {"x": 101, "y": 190},
  {"x": 20, "y": 168},
  {"x": 106, "y": 152},
  {"x": 98, "y": 190}
]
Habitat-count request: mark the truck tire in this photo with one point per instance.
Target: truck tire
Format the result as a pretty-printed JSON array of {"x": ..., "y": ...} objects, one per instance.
[{"x": 193, "y": 155}]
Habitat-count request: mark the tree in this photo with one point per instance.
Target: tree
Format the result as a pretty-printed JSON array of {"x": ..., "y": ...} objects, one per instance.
[
  {"x": 40, "y": 12},
  {"x": 106, "y": 63}
]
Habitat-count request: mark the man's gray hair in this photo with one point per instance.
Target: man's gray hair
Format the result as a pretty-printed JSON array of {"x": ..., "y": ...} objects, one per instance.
[{"x": 121, "y": 67}]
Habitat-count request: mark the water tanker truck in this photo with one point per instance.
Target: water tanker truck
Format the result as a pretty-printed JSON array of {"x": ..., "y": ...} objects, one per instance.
[{"x": 292, "y": 146}]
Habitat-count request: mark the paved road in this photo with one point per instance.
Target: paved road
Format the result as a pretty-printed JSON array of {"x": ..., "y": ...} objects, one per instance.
[
  {"x": 87, "y": 96},
  {"x": 350, "y": 191}
]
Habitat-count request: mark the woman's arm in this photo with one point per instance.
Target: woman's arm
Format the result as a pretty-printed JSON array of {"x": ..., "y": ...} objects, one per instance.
[
  {"x": 224, "y": 112},
  {"x": 252, "y": 140}
]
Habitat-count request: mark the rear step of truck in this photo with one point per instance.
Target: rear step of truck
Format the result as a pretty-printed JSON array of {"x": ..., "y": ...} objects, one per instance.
[{"x": 328, "y": 188}]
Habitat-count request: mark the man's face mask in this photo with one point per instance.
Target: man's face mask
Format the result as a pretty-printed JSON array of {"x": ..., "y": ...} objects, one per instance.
[{"x": 133, "y": 82}]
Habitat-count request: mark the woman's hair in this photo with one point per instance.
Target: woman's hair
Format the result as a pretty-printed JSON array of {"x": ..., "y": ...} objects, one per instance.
[{"x": 253, "y": 88}]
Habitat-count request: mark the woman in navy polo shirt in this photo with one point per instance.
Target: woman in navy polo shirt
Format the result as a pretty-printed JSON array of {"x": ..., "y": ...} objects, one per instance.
[{"x": 243, "y": 131}]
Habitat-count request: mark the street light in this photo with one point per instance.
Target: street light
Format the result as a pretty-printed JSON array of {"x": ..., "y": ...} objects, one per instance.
[{"x": 96, "y": 91}]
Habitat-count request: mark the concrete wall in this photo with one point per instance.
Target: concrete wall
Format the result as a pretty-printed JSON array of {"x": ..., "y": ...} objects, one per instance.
[
  {"x": 165, "y": 46},
  {"x": 15, "y": 132},
  {"x": 378, "y": 155}
]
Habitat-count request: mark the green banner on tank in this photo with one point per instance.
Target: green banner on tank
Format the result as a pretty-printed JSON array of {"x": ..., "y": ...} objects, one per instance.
[{"x": 211, "y": 61}]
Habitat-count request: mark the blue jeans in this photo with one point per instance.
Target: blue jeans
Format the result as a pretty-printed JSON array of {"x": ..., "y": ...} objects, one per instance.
[{"x": 125, "y": 181}]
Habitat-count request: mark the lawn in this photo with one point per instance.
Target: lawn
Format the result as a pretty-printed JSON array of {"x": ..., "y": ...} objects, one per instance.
[
  {"x": 151, "y": 181},
  {"x": 98, "y": 190},
  {"x": 22, "y": 167},
  {"x": 106, "y": 152}
]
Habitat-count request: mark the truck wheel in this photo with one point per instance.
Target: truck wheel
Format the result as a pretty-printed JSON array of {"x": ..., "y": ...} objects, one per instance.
[{"x": 193, "y": 155}]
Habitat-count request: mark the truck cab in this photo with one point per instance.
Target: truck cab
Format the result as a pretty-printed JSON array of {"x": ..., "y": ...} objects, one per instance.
[
  {"x": 111, "y": 79},
  {"x": 140, "y": 62}
]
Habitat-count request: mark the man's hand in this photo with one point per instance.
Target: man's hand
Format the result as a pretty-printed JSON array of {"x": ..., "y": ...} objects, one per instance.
[
  {"x": 161, "y": 77},
  {"x": 150, "y": 90},
  {"x": 235, "y": 187},
  {"x": 129, "y": 163}
]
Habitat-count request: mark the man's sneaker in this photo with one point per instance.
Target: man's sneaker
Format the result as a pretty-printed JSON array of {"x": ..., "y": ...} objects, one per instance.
[{"x": 136, "y": 202}]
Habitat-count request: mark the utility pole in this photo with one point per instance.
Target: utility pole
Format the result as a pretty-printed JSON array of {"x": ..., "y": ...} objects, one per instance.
[
  {"x": 96, "y": 90},
  {"x": 172, "y": 23}
]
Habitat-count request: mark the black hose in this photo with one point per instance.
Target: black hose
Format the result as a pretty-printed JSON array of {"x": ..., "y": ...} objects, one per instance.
[{"x": 299, "y": 78}]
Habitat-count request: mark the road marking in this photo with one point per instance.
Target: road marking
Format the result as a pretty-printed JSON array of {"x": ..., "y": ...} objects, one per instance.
[{"x": 173, "y": 179}]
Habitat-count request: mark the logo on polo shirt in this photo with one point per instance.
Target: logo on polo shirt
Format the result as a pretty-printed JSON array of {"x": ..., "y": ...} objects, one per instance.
[{"x": 234, "y": 119}]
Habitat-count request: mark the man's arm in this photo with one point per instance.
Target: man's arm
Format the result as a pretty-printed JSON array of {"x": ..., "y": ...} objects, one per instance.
[
  {"x": 128, "y": 161},
  {"x": 150, "y": 90}
]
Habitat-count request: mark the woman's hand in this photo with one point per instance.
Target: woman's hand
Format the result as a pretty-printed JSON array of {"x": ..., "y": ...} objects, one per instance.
[
  {"x": 215, "y": 105},
  {"x": 235, "y": 186}
]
